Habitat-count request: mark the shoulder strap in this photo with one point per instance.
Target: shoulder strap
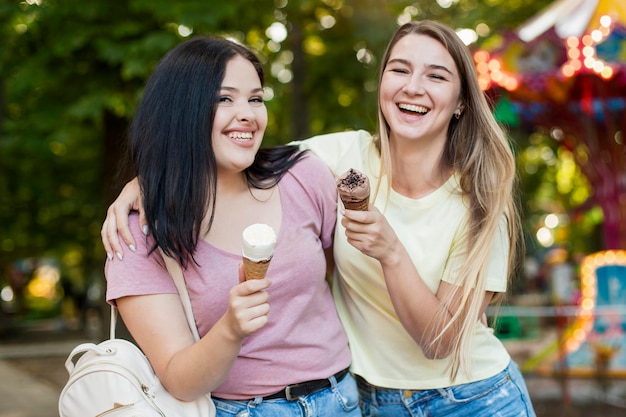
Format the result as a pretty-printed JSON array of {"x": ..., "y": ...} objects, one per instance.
[{"x": 176, "y": 272}]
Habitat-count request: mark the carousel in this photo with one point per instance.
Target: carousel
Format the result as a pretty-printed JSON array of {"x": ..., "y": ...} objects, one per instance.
[{"x": 564, "y": 71}]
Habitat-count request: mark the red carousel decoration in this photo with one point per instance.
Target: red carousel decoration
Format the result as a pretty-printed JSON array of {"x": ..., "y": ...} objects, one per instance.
[{"x": 565, "y": 71}]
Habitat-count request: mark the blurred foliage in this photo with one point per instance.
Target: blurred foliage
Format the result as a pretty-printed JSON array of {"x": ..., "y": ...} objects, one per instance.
[
  {"x": 553, "y": 184},
  {"x": 71, "y": 73}
]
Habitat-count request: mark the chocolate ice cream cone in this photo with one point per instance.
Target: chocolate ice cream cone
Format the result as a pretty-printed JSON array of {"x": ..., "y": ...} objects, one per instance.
[
  {"x": 354, "y": 190},
  {"x": 356, "y": 205}
]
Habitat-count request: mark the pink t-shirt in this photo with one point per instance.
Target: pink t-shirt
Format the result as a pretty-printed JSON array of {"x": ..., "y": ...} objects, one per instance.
[{"x": 304, "y": 339}]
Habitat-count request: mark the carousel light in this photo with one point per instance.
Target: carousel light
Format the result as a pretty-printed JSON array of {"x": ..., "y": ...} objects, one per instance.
[
  {"x": 610, "y": 257},
  {"x": 482, "y": 67},
  {"x": 588, "y": 304},
  {"x": 572, "y": 42},
  {"x": 567, "y": 70},
  {"x": 494, "y": 65},
  {"x": 588, "y": 51},
  {"x": 484, "y": 82},
  {"x": 589, "y": 293},
  {"x": 598, "y": 66},
  {"x": 579, "y": 335},
  {"x": 589, "y": 62},
  {"x": 598, "y": 261},
  {"x": 577, "y": 64},
  {"x": 584, "y": 316},
  {"x": 497, "y": 76},
  {"x": 596, "y": 35},
  {"x": 606, "y": 21},
  {"x": 481, "y": 56},
  {"x": 588, "y": 280},
  {"x": 573, "y": 53},
  {"x": 511, "y": 84},
  {"x": 571, "y": 345},
  {"x": 587, "y": 40}
]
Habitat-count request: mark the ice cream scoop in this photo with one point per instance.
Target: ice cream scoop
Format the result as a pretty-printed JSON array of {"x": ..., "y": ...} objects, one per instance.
[
  {"x": 258, "y": 248},
  {"x": 354, "y": 190}
]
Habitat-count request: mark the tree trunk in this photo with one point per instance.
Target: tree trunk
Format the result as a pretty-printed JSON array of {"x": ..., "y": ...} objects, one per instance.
[
  {"x": 299, "y": 103},
  {"x": 114, "y": 172}
]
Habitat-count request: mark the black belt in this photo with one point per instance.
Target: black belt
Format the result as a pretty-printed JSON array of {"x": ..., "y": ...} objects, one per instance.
[{"x": 293, "y": 392}]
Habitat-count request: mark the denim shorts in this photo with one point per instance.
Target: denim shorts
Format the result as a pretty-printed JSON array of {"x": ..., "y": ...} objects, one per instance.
[
  {"x": 340, "y": 399},
  {"x": 502, "y": 395}
]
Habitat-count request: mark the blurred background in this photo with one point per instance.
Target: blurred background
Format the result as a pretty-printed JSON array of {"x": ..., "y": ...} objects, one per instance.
[{"x": 71, "y": 74}]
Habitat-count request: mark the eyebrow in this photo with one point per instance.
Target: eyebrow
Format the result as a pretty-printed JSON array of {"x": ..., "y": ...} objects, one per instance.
[
  {"x": 431, "y": 66},
  {"x": 234, "y": 89}
]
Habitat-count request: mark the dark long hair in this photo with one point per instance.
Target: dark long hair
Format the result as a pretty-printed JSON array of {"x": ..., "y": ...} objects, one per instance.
[{"x": 170, "y": 146}]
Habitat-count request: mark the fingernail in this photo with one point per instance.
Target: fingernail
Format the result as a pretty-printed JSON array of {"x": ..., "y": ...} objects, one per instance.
[
  {"x": 342, "y": 212},
  {"x": 132, "y": 248},
  {"x": 119, "y": 255},
  {"x": 145, "y": 229},
  {"x": 109, "y": 256}
]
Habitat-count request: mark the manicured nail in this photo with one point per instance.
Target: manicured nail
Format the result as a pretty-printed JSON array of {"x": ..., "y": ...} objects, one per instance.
[
  {"x": 109, "y": 256},
  {"x": 145, "y": 229},
  {"x": 342, "y": 212},
  {"x": 132, "y": 248},
  {"x": 119, "y": 255}
]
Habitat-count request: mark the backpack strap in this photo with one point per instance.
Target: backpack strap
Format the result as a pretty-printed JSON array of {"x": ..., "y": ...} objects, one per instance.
[{"x": 176, "y": 273}]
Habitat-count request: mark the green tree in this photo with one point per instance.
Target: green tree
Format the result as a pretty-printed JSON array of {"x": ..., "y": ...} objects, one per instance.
[{"x": 71, "y": 73}]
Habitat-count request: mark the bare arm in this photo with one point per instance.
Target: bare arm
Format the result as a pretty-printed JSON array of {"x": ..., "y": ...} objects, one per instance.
[
  {"x": 414, "y": 303},
  {"x": 117, "y": 220},
  {"x": 187, "y": 368}
]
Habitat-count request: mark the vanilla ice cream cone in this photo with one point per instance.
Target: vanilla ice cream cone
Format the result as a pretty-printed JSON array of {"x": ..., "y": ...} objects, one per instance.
[{"x": 258, "y": 248}]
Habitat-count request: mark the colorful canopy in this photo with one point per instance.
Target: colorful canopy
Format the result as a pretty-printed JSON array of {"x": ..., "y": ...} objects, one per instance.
[
  {"x": 572, "y": 18},
  {"x": 567, "y": 38}
]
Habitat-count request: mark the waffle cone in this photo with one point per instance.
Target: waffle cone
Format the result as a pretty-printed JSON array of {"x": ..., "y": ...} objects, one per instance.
[
  {"x": 255, "y": 270},
  {"x": 357, "y": 205}
]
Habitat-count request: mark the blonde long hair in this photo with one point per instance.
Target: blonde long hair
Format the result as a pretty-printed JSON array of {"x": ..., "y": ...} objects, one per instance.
[{"x": 478, "y": 150}]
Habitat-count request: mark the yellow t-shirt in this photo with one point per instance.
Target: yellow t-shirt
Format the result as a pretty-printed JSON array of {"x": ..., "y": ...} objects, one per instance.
[{"x": 382, "y": 350}]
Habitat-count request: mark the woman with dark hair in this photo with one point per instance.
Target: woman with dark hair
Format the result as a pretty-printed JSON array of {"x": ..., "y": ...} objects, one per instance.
[
  {"x": 415, "y": 273},
  {"x": 194, "y": 142}
]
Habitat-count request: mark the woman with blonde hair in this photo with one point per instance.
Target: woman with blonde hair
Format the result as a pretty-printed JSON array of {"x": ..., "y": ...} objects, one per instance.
[{"x": 414, "y": 273}]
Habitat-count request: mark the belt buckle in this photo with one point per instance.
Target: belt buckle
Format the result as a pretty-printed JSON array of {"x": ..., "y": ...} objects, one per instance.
[{"x": 288, "y": 395}]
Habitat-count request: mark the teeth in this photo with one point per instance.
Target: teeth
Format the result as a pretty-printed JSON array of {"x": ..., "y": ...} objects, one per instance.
[
  {"x": 240, "y": 135},
  {"x": 413, "y": 108}
]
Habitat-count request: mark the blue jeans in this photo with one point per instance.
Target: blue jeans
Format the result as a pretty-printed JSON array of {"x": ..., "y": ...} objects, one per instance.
[
  {"x": 502, "y": 395},
  {"x": 340, "y": 399}
]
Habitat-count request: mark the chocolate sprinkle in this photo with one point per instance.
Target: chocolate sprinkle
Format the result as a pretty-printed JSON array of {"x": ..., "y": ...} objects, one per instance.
[{"x": 353, "y": 179}]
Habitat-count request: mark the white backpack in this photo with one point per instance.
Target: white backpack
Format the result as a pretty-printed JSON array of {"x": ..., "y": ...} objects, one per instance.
[{"x": 115, "y": 379}]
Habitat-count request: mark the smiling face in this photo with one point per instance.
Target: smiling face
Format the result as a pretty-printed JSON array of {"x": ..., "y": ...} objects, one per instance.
[
  {"x": 240, "y": 117},
  {"x": 419, "y": 90}
]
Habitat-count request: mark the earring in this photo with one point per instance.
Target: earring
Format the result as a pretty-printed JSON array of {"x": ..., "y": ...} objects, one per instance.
[{"x": 457, "y": 114}]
